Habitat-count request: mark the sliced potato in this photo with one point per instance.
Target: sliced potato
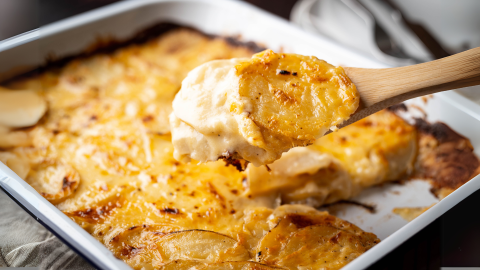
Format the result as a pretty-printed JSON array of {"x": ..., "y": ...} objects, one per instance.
[
  {"x": 320, "y": 247},
  {"x": 255, "y": 225},
  {"x": 183, "y": 265},
  {"x": 136, "y": 245},
  {"x": 303, "y": 173},
  {"x": 13, "y": 138},
  {"x": 285, "y": 221},
  {"x": 19, "y": 165},
  {"x": 21, "y": 108},
  {"x": 54, "y": 180},
  {"x": 238, "y": 266},
  {"x": 201, "y": 245},
  {"x": 310, "y": 238},
  {"x": 154, "y": 245},
  {"x": 295, "y": 98},
  {"x": 287, "y": 172},
  {"x": 139, "y": 237}
]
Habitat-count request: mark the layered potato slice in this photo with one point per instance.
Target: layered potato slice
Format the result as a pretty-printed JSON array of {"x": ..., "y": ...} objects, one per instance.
[
  {"x": 374, "y": 150},
  {"x": 54, "y": 180},
  {"x": 303, "y": 238},
  {"x": 294, "y": 99},
  {"x": 102, "y": 154},
  {"x": 299, "y": 237},
  {"x": 256, "y": 109},
  {"x": 379, "y": 148}
]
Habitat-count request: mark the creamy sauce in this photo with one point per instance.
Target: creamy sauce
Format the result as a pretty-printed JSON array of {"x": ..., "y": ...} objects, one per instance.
[
  {"x": 256, "y": 109},
  {"x": 203, "y": 128}
]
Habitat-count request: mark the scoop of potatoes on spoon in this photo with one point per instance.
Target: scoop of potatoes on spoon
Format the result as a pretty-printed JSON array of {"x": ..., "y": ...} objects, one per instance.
[{"x": 256, "y": 109}]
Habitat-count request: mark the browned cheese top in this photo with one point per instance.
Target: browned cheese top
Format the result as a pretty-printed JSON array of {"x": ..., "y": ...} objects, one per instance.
[{"x": 103, "y": 155}]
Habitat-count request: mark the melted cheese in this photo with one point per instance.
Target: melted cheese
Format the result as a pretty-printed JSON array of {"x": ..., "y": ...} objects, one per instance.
[
  {"x": 203, "y": 128},
  {"x": 103, "y": 155},
  {"x": 256, "y": 109},
  {"x": 374, "y": 150}
]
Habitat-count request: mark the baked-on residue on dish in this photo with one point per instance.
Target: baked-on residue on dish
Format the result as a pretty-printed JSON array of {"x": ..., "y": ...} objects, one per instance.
[
  {"x": 445, "y": 158},
  {"x": 103, "y": 155}
]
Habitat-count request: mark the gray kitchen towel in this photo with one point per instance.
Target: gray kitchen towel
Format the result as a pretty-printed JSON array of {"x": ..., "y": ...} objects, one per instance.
[{"x": 26, "y": 243}]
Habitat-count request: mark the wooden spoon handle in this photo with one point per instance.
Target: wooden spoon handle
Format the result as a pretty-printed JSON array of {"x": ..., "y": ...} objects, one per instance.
[
  {"x": 382, "y": 88},
  {"x": 402, "y": 83}
]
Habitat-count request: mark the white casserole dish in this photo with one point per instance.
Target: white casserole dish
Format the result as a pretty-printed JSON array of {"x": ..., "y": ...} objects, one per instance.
[{"x": 124, "y": 19}]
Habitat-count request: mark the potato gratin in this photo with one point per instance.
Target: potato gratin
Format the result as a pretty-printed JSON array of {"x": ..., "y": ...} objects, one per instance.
[
  {"x": 102, "y": 154},
  {"x": 256, "y": 109}
]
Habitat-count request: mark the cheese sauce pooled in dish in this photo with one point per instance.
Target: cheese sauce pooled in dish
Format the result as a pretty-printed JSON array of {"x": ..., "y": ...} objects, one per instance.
[{"x": 256, "y": 109}]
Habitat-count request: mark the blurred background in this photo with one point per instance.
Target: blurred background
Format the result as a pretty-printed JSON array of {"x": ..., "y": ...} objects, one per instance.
[{"x": 396, "y": 32}]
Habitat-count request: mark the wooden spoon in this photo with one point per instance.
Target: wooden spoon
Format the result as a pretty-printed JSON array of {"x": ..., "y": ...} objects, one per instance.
[{"x": 382, "y": 88}]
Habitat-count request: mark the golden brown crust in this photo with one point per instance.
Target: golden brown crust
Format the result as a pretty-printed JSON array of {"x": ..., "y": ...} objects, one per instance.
[
  {"x": 314, "y": 240},
  {"x": 445, "y": 157},
  {"x": 295, "y": 98}
]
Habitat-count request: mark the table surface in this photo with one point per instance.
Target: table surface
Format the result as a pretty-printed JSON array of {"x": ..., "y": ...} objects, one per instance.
[{"x": 453, "y": 240}]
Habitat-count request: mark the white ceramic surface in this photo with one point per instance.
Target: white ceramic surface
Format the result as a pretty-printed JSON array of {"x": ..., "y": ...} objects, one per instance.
[{"x": 123, "y": 19}]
